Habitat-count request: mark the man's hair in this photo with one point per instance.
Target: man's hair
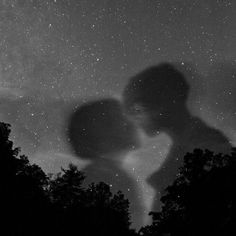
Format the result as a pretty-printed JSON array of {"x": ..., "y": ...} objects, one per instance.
[{"x": 156, "y": 86}]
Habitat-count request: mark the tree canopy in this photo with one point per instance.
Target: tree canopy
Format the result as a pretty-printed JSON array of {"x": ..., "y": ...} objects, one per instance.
[
  {"x": 34, "y": 203},
  {"x": 202, "y": 199}
]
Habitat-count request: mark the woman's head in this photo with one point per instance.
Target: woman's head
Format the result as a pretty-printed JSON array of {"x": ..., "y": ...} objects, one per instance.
[{"x": 100, "y": 128}]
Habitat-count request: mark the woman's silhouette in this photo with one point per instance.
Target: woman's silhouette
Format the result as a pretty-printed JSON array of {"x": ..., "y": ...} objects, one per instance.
[
  {"x": 157, "y": 98},
  {"x": 99, "y": 132}
]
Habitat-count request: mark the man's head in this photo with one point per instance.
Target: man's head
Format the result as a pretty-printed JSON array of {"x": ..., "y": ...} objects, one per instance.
[{"x": 156, "y": 95}]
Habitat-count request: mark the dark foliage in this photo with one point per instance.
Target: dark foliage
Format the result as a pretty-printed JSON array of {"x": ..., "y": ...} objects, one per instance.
[
  {"x": 202, "y": 199},
  {"x": 33, "y": 203}
]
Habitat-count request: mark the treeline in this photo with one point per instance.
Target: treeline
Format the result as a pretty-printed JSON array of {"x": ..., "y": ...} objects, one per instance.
[
  {"x": 201, "y": 201},
  {"x": 33, "y": 203}
]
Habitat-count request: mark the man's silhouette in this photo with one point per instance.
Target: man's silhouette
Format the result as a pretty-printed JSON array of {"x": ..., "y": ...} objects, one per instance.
[
  {"x": 100, "y": 132},
  {"x": 156, "y": 99}
]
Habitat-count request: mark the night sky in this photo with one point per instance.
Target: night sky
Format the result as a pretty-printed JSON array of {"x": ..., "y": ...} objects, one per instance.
[{"x": 56, "y": 56}]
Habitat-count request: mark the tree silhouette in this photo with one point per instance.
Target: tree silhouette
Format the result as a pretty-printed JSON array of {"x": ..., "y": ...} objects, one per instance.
[
  {"x": 65, "y": 189},
  {"x": 202, "y": 199},
  {"x": 109, "y": 212},
  {"x": 95, "y": 210},
  {"x": 23, "y": 185},
  {"x": 33, "y": 203}
]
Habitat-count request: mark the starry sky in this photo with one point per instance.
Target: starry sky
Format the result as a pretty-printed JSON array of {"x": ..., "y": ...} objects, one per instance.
[{"x": 57, "y": 55}]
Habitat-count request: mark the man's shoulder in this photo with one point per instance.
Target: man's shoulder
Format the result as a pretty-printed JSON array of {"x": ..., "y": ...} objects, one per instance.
[{"x": 207, "y": 137}]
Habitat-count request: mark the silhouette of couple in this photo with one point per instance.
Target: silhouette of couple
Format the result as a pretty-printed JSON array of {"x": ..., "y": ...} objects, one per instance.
[{"x": 155, "y": 101}]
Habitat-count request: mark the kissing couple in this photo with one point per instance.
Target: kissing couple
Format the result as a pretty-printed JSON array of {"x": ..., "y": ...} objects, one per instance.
[{"x": 106, "y": 131}]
